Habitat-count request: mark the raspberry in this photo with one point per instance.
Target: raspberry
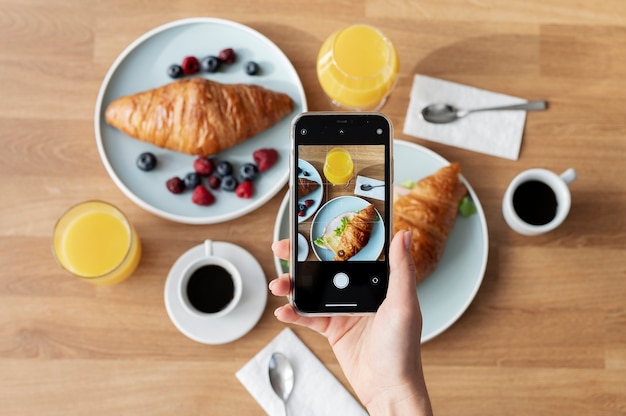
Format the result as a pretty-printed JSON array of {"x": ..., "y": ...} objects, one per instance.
[
  {"x": 308, "y": 203},
  {"x": 202, "y": 196},
  {"x": 203, "y": 166},
  {"x": 245, "y": 189},
  {"x": 190, "y": 65},
  {"x": 214, "y": 182},
  {"x": 227, "y": 56},
  {"x": 175, "y": 185},
  {"x": 265, "y": 158}
]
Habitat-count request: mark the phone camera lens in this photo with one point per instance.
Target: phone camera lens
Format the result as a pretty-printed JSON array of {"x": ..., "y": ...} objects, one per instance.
[
  {"x": 303, "y": 132},
  {"x": 379, "y": 131}
]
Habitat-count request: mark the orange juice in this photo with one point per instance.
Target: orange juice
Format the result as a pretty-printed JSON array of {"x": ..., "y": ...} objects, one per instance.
[
  {"x": 338, "y": 166},
  {"x": 94, "y": 241},
  {"x": 357, "y": 67}
]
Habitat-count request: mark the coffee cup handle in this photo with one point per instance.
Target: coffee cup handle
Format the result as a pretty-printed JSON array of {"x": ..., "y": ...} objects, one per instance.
[
  {"x": 569, "y": 175},
  {"x": 208, "y": 248}
]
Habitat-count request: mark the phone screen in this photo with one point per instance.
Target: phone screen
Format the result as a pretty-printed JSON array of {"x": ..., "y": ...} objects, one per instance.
[{"x": 340, "y": 212}]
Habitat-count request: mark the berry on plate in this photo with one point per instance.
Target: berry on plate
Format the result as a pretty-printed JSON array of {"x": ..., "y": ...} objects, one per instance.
[
  {"x": 248, "y": 171},
  {"x": 192, "y": 180},
  {"x": 210, "y": 64},
  {"x": 265, "y": 158},
  {"x": 227, "y": 56},
  {"x": 223, "y": 169},
  {"x": 229, "y": 183},
  {"x": 214, "y": 182},
  {"x": 245, "y": 189},
  {"x": 190, "y": 65},
  {"x": 146, "y": 161},
  {"x": 175, "y": 71},
  {"x": 202, "y": 196},
  {"x": 252, "y": 68},
  {"x": 203, "y": 166},
  {"x": 175, "y": 185}
]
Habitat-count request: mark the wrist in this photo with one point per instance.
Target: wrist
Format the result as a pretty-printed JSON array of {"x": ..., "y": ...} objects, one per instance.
[{"x": 405, "y": 400}]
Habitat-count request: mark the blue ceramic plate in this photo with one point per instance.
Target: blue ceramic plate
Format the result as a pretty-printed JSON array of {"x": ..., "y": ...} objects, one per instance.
[
  {"x": 449, "y": 290},
  {"x": 336, "y": 207},
  {"x": 143, "y": 65}
]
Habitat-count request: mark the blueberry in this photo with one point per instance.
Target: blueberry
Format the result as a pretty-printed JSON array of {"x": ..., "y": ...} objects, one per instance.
[
  {"x": 223, "y": 168},
  {"x": 252, "y": 68},
  {"x": 210, "y": 64},
  {"x": 146, "y": 161},
  {"x": 175, "y": 71},
  {"x": 248, "y": 171},
  {"x": 229, "y": 183},
  {"x": 301, "y": 207},
  {"x": 192, "y": 180}
]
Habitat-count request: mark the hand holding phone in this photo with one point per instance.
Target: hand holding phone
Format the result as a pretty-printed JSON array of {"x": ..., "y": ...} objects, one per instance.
[{"x": 340, "y": 212}]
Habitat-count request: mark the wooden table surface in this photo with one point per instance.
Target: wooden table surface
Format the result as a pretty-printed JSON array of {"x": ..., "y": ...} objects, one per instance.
[{"x": 546, "y": 333}]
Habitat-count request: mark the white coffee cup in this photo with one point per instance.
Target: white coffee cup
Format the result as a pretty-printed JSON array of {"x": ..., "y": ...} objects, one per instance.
[
  {"x": 211, "y": 286},
  {"x": 537, "y": 200}
]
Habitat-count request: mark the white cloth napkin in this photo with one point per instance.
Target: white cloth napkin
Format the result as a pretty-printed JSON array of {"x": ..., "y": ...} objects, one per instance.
[
  {"x": 316, "y": 391},
  {"x": 376, "y": 193},
  {"x": 496, "y": 133}
]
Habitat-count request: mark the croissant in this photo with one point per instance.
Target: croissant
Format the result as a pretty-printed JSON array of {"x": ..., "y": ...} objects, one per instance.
[
  {"x": 198, "y": 116},
  {"x": 306, "y": 186},
  {"x": 429, "y": 211},
  {"x": 357, "y": 233}
]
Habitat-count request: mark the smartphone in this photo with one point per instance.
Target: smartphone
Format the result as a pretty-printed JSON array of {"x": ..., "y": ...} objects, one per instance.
[{"x": 340, "y": 211}]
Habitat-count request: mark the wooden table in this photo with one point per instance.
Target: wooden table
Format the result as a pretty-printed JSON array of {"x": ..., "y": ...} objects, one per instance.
[{"x": 546, "y": 333}]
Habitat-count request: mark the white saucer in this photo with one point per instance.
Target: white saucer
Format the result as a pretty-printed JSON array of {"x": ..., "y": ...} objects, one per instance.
[
  {"x": 303, "y": 247},
  {"x": 220, "y": 330}
]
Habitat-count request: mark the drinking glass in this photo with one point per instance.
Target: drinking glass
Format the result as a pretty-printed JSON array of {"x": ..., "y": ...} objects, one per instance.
[
  {"x": 338, "y": 166},
  {"x": 95, "y": 242},
  {"x": 357, "y": 68}
]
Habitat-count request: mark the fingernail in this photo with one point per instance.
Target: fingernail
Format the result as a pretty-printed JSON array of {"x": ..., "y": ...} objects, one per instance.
[
  {"x": 277, "y": 310},
  {"x": 274, "y": 244},
  {"x": 272, "y": 284},
  {"x": 407, "y": 239}
]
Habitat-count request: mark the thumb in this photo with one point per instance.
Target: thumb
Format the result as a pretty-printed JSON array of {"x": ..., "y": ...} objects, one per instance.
[{"x": 401, "y": 268}]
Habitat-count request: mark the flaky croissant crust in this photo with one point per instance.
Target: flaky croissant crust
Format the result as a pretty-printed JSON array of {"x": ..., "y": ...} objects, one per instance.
[
  {"x": 357, "y": 234},
  {"x": 198, "y": 116},
  {"x": 429, "y": 211}
]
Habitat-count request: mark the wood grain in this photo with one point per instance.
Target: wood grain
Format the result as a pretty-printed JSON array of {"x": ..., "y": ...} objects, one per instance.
[{"x": 546, "y": 333}]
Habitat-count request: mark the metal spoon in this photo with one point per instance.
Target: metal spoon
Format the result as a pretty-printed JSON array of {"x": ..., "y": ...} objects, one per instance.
[
  {"x": 281, "y": 377},
  {"x": 367, "y": 186},
  {"x": 446, "y": 113}
]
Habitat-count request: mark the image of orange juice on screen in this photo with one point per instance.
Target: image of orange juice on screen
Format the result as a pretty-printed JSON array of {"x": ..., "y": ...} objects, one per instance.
[
  {"x": 357, "y": 67},
  {"x": 338, "y": 166},
  {"x": 94, "y": 241}
]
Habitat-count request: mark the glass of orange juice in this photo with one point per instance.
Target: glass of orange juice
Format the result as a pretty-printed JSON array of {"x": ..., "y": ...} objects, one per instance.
[
  {"x": 357, "y": 67},
  {"x": 338, "y": 166},
  {"x": 95, "y": 242}
]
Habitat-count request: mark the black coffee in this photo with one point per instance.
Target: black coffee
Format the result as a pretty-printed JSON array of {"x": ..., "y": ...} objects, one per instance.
[
  {"x": 210, "y": 288},
  {"x": 535, "y": 202}
]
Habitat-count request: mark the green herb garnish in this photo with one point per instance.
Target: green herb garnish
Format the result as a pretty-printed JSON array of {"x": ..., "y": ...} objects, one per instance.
[
  {"x": 344, "y": 222},
  {"x": 319, "y": 242},
  {"x": 467, "y": 207},
  {"x": 407, "y": 183}
]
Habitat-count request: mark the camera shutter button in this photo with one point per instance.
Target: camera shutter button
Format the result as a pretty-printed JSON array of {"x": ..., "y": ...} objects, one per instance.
[{"x": 341, "y": 280}]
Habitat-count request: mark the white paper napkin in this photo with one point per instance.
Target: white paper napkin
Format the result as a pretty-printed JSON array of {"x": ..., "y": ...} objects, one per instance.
[
  {"x": 316, "y": 390},
  {"x": 496, "y": 133},
  {"x": 376, "y": 193}
]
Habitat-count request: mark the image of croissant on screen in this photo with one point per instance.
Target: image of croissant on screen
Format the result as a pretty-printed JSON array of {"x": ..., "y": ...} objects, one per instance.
[
  {"x": 198, "y": 116},
  {"x": 429, "y": 210}
]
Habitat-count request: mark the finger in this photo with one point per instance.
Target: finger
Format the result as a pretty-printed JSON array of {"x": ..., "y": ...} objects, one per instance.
[
  {"x": 281, "y": 249},
  {"x": 288, "y": 315},
  {"x": 402, "y": 269},
  {"x": 281, "y": 286}
]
